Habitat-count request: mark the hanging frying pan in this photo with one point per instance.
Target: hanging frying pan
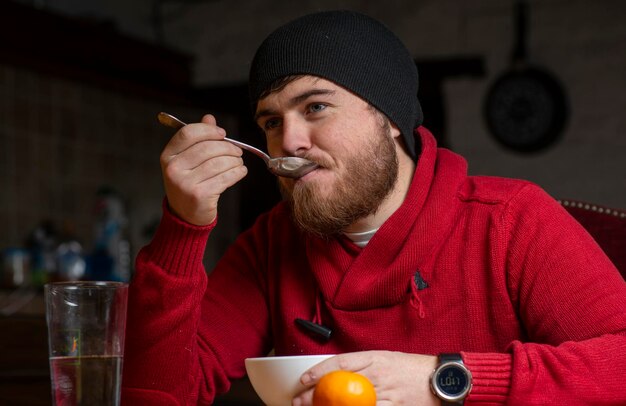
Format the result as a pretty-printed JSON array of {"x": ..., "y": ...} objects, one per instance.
[{"x": 526, "y": 107}]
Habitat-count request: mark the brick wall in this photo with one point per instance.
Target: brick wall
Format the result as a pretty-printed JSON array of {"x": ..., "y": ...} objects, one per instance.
[{"x": 62, "y": 140}]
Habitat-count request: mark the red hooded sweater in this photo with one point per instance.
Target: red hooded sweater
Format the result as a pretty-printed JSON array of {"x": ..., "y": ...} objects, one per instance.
[{"x": 489, "y": 267}]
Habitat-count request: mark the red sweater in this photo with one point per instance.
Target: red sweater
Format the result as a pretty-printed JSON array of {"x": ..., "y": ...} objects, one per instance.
[{"x": 513, "y": 283}]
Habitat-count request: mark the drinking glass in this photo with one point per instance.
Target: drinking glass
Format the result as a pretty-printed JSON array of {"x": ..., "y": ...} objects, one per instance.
[{"x": 86, "y": 327}]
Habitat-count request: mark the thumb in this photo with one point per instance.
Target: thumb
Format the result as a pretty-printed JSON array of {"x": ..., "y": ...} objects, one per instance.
[{"x": 209, "y": 119}]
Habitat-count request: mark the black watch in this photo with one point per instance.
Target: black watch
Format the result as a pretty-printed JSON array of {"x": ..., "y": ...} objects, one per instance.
[{"x": 451, "y": 381}]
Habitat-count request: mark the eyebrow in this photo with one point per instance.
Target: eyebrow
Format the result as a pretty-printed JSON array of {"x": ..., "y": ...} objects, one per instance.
[{"x": 295, "y": 101}]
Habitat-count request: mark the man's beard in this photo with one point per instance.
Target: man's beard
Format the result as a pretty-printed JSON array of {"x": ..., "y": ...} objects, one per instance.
[{"x": 370, "y": 175}]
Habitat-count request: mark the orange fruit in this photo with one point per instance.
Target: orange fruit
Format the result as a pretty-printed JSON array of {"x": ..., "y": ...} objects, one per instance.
[{"x": 344, "y": 388}]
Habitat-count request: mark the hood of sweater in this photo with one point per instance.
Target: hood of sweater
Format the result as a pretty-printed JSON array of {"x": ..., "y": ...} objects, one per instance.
[{"x": 382, "y": 272}]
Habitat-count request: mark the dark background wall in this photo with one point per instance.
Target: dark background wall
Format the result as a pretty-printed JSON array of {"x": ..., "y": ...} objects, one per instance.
[{"x": 72, "y": 123}]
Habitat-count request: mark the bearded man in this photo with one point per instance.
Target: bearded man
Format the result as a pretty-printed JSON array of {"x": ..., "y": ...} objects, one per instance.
[{"x": 387, "y": 254}]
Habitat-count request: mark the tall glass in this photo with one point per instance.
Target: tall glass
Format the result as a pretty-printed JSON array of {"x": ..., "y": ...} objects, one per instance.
[{"x": 86, "y": 327}]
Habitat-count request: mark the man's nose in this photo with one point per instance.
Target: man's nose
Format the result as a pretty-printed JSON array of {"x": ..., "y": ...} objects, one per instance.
[{"x": 296, "y": 137}]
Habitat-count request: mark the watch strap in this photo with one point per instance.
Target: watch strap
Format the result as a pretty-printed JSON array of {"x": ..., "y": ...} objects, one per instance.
[{"x": 450, "y": 357}]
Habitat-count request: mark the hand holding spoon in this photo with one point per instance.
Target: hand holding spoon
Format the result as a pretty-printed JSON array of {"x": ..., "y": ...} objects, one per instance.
[{"x": 288, "y": 167}]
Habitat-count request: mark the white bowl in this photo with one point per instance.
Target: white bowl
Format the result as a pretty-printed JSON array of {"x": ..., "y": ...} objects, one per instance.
[{"x": 277, "y": 379}]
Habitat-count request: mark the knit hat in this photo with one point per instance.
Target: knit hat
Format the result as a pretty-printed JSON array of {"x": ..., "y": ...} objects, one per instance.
[{"x": 352, "y": 50}]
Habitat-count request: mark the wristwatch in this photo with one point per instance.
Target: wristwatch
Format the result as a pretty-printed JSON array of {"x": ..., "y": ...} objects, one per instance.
[{"x": 451, "y": 381}]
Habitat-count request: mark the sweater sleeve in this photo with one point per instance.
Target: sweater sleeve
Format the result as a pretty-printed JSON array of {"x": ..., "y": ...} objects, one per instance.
[
  {"x": 160, "y": 362},
  {"x": 175, "y": 312},
  {"x": 571, "y": 301}
]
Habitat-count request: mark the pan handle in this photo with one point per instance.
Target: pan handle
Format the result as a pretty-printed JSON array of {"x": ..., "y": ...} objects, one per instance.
[{"x": 520, "y": 17}]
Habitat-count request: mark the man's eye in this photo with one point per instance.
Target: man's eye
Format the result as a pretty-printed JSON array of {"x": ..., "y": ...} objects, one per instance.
[
  {"x": 317, "y": 107},
  {"x": 271, "y": 123}
]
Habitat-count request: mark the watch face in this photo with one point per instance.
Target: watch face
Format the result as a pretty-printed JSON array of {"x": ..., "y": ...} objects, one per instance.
[{"x": 452, "y": 381}]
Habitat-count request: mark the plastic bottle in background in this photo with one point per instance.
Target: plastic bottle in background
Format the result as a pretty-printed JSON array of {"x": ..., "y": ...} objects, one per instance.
[
  {"x": 71, "y": 264},
  {"x": 111, "y": 256},
  {"x": 15, "y": 268},
  {"x": 41, "y": 244}
]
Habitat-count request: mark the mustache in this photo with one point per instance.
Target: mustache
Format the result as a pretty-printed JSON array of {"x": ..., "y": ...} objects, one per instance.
[{"x": 322, "y": 161}]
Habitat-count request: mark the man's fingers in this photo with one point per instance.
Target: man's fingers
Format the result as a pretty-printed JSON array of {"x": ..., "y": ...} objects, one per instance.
[
  {"x": 198, "y": 166},
  {"x": 217, "y": 171},
  {"x": 304, "y": 398},
  {"x": 190, "y": 135},
  {"x": 193, "y": 195},
  {"x": 203, "y": 171},
  {"x": 209, "y": 119},
  {"x": 215, "y": 185},
  {"x": 354, "y": 362},
  {"x": 199, "y": 153}
]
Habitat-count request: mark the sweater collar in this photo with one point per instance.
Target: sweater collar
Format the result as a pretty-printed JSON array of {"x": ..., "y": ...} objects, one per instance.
[{"x": 380, "y": 274}]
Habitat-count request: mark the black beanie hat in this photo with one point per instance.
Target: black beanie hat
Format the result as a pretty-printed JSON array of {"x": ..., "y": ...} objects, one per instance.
[{"x": 351, "y": 50}]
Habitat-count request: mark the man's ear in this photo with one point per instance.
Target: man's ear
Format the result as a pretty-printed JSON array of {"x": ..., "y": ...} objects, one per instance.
[
  {"x": 395, "y": 131},
  {"x": 401, "y": 145}
]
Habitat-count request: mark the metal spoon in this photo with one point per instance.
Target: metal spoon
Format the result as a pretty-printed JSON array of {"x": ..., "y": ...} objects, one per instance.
[{"x": 288, "y": 167}]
